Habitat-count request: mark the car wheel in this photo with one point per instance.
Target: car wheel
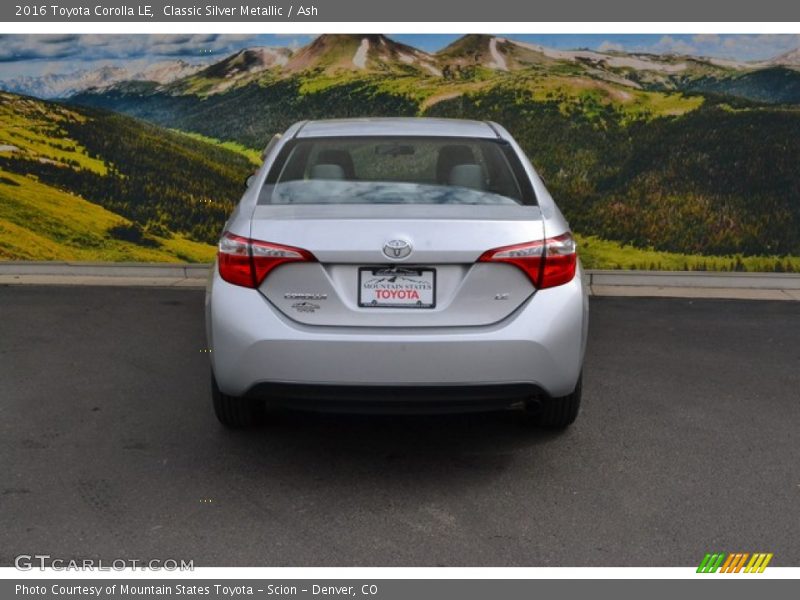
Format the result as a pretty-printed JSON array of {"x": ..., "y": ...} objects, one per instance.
[
  {"x": 232, "y": 411},
  {"x": 558, "y": 413}
]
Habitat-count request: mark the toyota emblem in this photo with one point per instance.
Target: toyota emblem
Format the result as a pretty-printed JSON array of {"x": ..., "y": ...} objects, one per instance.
[{"x": 397, "y": 249}]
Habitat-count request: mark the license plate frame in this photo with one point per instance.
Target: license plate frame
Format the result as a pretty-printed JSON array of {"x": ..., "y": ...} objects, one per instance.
[{"x": 412, "y": 286}]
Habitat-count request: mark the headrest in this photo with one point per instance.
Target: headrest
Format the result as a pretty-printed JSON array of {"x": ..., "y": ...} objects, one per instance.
[
  {"x": 327, "y": 171},
  {"x": 450, "y": 156},
  {"x": 468, "y": 176},
  {"x": 342, "y": 158}
]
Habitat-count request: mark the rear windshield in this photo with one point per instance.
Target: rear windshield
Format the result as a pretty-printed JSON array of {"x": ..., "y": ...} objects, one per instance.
[{"x": 397, "y": 170}]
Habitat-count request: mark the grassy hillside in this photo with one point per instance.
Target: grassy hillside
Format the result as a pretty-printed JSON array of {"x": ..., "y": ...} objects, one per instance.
[
  {"x": 252, "y": 155},
  {"x": 597, "y": 253},
  {"x": 88, "y": 184},
  {"x": 34, "y": 129},
  {"x": 40, "y": 222}
]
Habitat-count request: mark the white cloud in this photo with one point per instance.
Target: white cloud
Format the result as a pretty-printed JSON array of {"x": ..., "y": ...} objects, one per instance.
[
  {"x": 670, "y": 45},
  {"x": 608, "y": 46},
  {"x": 38, "y": 55},
  {"x": 93, "y": 47},
  {"x": 706, "y": 38},
  {"x": 293, "y": 40},
  {"x": 738, "y": 47},
  {"x": 757, "y": 46}
]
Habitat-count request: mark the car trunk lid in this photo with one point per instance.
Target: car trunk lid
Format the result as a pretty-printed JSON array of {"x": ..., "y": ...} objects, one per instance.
[{"x": 349, "y": 242}]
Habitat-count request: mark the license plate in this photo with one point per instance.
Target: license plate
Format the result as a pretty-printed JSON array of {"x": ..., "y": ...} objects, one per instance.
[{"x": 396, "y": 287}]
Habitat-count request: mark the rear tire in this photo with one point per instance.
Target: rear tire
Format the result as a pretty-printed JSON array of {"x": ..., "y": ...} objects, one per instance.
[
  {"x": 232, "y": 411},
  {"x": 559, "y": 413}
]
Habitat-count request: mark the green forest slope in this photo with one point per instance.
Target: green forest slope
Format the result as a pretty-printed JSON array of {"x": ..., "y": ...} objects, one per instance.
[{"x": 86, "y": 184}]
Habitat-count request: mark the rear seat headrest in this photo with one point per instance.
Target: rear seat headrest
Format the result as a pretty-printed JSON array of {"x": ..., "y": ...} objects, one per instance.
[
  {"x": 468, "y": 176},
  {"x": 334, "y": 156},
  {"x": 327, "y": 171},
  {"x": 450, "y": 156}
]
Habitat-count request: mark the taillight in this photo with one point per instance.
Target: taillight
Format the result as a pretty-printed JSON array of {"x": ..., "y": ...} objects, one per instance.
[
  {"x": 547, "y": 263},
  {"x": 247, "y": 262}
]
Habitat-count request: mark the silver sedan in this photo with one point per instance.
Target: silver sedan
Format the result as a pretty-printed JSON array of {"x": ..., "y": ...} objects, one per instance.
[{"x": 396, "y": 265}]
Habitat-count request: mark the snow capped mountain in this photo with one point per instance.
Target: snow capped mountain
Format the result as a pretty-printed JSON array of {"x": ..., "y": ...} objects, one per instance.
[
  {"x": 789, "y": 59},
  {"x": 377, "y": 55},
  {"x": 166, "y": 71},
  {"x": 504, "y": 54},
  {"x": 637, "y": 62},
  {"x": 476, "y": 50},
  {"x": 368, "y": 53},
  {"x": 245, "y": 62},
  {"x": 59, "y": 85},
  {"x": 242, "y": 67}
]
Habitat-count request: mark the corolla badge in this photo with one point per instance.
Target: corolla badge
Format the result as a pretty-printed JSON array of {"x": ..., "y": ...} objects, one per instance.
[{"x": 397, "y": 249}]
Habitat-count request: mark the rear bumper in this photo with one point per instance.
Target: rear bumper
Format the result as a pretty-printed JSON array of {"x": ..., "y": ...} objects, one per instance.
[
  {"x": 254, "y": 349},
  {"x": 394, "y": 399}
]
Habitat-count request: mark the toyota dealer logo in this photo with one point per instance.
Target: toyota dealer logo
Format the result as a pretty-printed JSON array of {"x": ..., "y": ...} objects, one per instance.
[{"x": 397, "y": 249}]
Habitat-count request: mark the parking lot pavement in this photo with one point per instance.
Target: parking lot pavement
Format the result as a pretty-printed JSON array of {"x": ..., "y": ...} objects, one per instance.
[{"x": 688, "y": 443}]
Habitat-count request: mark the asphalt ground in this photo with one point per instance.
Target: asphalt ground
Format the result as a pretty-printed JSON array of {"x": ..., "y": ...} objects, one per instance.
[{"x": 688, "y": 442}]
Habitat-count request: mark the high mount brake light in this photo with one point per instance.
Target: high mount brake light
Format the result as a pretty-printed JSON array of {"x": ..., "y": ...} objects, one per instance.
[
  {"x": 247, "y": 262},
  {"x": 547, "y": 263}
]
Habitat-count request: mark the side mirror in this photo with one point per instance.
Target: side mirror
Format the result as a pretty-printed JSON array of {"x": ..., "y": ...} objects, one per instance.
[{"x": 249, "y": 181}]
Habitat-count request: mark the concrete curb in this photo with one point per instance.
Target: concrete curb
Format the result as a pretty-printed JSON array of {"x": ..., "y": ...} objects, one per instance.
[
  {"x": 104, "y": 269},
  {"x": 681, "y": 284},
  {"x": 104, "y": 274},
  {"x": 693, "y": 279},
  {"x": 695, "y": 284}
]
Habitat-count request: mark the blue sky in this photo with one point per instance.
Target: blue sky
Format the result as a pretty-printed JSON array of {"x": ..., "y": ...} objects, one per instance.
[{"x": 33, "y": 55}]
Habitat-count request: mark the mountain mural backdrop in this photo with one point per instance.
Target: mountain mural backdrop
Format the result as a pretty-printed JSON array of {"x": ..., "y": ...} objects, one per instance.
[{"x": 658, "y": 161}]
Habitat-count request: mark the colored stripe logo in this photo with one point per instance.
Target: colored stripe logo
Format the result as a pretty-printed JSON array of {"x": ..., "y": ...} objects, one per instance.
[{"x": 735, "y": 562}]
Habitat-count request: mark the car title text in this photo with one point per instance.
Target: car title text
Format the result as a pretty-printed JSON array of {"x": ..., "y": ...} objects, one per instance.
[{"x": 168, "y": 11}]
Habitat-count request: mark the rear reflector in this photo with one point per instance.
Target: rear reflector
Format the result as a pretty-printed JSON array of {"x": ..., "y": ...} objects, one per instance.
[
  {"x": 547, "y": 263},
  {"x": 247, "y": 262}
]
